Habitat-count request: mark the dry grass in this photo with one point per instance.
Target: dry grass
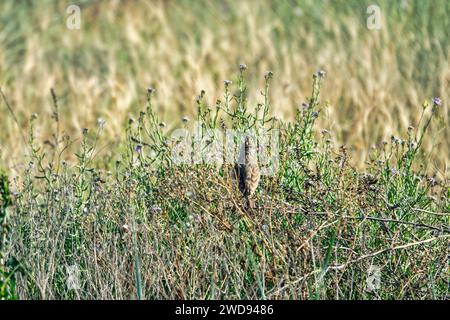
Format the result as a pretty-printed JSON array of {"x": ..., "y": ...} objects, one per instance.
[
  {"x": 377, "y": 80},
  {"x": 114, "y": 205}
]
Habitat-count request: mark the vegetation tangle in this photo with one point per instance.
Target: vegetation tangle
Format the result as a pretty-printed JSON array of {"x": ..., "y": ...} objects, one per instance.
[{"x": 146, "y": 227}]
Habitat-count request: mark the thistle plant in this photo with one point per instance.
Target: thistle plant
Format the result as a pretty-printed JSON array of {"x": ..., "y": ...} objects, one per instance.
[{"x": 146, "y": 227}]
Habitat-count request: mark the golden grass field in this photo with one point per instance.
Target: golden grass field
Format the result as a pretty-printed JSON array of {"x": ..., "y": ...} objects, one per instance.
[
  {"x": 353, "y": 202},
  {"x": 377, "y": 80}
]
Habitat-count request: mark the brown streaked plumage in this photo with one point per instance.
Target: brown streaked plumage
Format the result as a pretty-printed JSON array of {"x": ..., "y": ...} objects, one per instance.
[{"x": 247, "y": 171}]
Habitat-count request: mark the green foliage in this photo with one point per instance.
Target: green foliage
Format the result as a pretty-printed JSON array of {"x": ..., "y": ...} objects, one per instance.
[
  {"x": 146, "y": 227},
  {"x": 7, "y": 264}
]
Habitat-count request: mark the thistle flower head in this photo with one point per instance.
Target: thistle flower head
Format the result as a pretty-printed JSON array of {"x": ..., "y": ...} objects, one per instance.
[
  {"x": 138, "y": 148},
  {"x": 396, "y": 140},
  {"x": 321, "y": 74},
  {"x": 101, "y": 122},
  {"x": 437, "y": 101}
]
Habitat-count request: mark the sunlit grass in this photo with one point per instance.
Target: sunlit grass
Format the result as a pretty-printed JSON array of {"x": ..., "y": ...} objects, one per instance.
[{"x": 379, "y": 78}]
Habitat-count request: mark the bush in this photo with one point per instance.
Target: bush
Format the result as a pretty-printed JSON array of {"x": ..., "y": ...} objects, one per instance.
[{"x": 147, "y": 226}]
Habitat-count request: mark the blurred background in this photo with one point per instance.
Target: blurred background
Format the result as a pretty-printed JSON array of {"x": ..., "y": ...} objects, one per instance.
[{"x": 376, "y": 80}]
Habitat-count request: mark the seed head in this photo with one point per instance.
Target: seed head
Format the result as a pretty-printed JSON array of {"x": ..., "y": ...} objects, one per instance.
[{"x": 242, "y": 66}]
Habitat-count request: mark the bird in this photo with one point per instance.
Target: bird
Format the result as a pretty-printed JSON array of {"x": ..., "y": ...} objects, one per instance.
[{"x": 247, "y": 172}]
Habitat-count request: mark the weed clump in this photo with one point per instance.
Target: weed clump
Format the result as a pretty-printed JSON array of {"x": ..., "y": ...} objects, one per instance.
[{"x": 156, "y": 223}]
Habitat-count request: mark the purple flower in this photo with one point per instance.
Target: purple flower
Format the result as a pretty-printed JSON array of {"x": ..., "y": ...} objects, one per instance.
[
  {"x": 155, "y": 209},
  {"x": 432, "y": 181},
  {"x": 437, "y": 101},
  {"x": 320, "y": 73},
  {"x": 138, "y": 148}
]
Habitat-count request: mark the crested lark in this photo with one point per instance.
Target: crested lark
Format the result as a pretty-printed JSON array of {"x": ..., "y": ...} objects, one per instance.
[{"x": 247, "y": 171}]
